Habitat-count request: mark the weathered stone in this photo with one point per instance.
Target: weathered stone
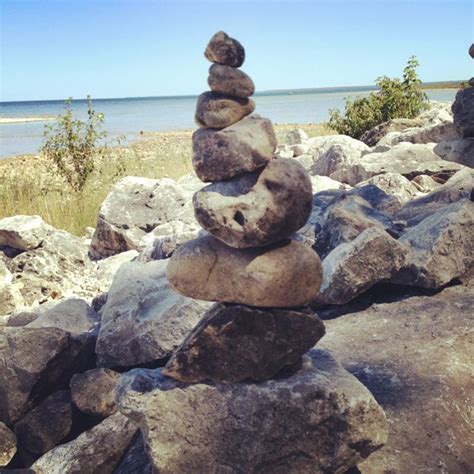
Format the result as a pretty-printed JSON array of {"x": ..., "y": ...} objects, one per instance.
[
  {"x": 352, "y": 268},
  {"x": 215, "y": 110},
  {"x": 135, "y": 461},
  {"x": 223, "y": 49},
  {"x": 460, "y": 151},
  {"x": 296, "y": 137},
  {"x": 256, "y": 208},
  {"x": 442, "y": 246},
  {"x": 427, "y": 134},
  {"x": 457, "y": 187},
  {"x": 424, "y": 183},
  {"x": 320, "y": 419},
  {"x": 427, "y": 394},
  {"x": 135, "y": 207},
  {"x": 230, "y": 81},
  {"x": 463, "y": 112},
  {"x": 235, "y": 343},
  {"x": 96, "y": 451},
  {"x": 374, "y": 135},
  {"x": 243, "y": 147},
  {"x": 93, "y": 392},
  {"x": 46, "y": 425},
  {"x": 7, "y": 445},
  {"x": 323, "y": 183},
  {"x": 285, "y": 275},
  {"x": 105, "y": 269},
  {"x": 143, "y": 320},
  {"x": 23, "y": 232}
]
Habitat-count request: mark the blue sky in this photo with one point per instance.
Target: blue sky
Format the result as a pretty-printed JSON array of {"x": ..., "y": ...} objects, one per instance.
[{"x": 114, "y": 48}]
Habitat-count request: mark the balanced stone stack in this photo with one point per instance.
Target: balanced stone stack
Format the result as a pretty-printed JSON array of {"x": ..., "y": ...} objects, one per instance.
[{"x": 261, "y": 279}]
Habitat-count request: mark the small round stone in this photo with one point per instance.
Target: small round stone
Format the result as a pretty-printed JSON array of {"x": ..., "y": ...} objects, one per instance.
[
  {"x": 230, "y": 81},
  {"x": 219, "y": 111},
  {"x": 223, "y": 49}
]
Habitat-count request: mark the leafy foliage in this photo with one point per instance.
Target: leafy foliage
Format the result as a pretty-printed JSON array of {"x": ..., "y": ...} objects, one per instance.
[{"x": 395, "y": 99}]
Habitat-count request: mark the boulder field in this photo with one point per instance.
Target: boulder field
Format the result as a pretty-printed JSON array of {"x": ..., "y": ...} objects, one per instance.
[{"x": 106, "y": 368}]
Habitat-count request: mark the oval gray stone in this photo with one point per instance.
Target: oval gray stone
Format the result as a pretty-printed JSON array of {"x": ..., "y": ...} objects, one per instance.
[
  {"x": 286, "y": 275},
  {"x": 219, "y": 111},
  {"x": 230, "y": 81},
  {"x": 258, "y": 208},
  {"x": 243, "y": 147},
  {"x": 223, "y": 49}
]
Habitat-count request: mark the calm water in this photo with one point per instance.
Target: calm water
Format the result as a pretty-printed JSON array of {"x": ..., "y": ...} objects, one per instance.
[{"x": 130, "y": 116}]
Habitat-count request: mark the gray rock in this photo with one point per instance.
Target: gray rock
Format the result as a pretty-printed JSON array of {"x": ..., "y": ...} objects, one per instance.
[
  {"x": 296, "y": 137},
  {"x": 243, "y": 147},
  {"x": 457, "y": 187},
  {"x": 427, "y": 134},
  {"x": 442, "y": 246},
  {"x": 105, "y": 269},
  {"x": 257, "y": 208},
  {"x": 463, "y": 112},
  {"x": 143, "y": 320},
  {"x": 215, "y": 110},
  {"x": 233, "y": 343},
  {"x": 223, "y": 49},
  {"x": 7, "y": 445},
  {"x": 97, "y": 451},
  {"x": 319, "y": 419},
  {"x": 285, "y": 275},
  {"x": 415, "y": 356},
  {"x": 46, "y": 425},
  {"x": 230, "y": 81},
  {"x": 135, "y": 207},
  {"x": 23, "y": 232},
  {"x": 425, "y": 184},
  {"x": 354, "y": 267},
  {"x": 460, "y": 151},
  {"x": 135, "y": 461},
  {"x": 374, "y": 135},
  {"x": 93, "y": 392}
]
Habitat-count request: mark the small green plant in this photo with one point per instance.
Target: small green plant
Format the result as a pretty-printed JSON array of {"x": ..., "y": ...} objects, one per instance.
[
  {"x": 394, "y": 98},
  {"x": 74, "y": 146}
]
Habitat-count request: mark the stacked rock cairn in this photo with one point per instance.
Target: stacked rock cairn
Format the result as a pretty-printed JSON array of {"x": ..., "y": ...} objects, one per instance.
[{"x": 262, "y": 280}]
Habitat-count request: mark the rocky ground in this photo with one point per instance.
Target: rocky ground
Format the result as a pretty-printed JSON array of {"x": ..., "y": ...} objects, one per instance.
[{"x": 392, "y": 221}]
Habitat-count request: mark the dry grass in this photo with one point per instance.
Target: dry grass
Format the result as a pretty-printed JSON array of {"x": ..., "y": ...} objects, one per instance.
[{"x": 28, "y": 186}]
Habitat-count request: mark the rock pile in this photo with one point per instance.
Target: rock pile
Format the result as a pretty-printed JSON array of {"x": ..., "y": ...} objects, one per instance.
[{"x": 261, "y": 326}]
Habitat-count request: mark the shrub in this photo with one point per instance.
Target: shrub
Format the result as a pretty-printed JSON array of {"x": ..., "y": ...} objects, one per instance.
[{"x": 394, "y": 98}]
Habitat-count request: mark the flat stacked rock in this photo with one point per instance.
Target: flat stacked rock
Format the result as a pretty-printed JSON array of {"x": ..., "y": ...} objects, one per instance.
[{"x": 261, "y": 279}]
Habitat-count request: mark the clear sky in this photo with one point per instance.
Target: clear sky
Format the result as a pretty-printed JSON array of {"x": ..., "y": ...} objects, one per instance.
[{"x": 116, "y": 48}]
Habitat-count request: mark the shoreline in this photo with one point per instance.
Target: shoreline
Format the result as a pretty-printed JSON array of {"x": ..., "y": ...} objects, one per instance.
[{"x": 10, "y": 120}]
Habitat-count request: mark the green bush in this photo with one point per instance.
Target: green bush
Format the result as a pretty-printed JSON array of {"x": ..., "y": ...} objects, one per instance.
[
  {"x": 74, "y": 146},
  {"x": 394, "y": 98}
]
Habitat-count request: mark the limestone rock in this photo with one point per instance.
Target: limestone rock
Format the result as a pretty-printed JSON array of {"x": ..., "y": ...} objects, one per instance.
[
  {"x": 230, "y": 81},
  {"x": 223, "y": 49},
  {"x": 135, "y": 207},
  {"x": 233, "y": 343},
  {"x": 7, "y": 445},
  {"x": 425, "y": 184},
  {"x": 93, "y": 392},
  {"x": 256, "y": 208},
  {"x": 324, "y": 183},
  {"x": 442, "y": 246},
  {"x": 463, "y": 112},
  {"x": 460, "y": 151},
  {"x": 374, "y": 135},
  {"x": 46, "y": 425},
  {"x": 285, "y": 275},
  {"x": 352, "y": 268},
  {"x": 296, "y": 137},
  {"x": 105, "y": 269},
  {"x": 243, "y": 147},
  {"x": 23, "y": 232},
  {"x": 143, "y": 320},
  {"x": 426, "y": 134},
  {"x": 426, "y": 394},
  {"x": 96, "y": 451},
  {"x": 215, "y": 110},
  {"x": 320, "y": 419}
]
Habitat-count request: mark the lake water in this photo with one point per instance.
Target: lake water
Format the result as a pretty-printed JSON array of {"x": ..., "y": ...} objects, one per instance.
[{"x": 128, "y": 117}]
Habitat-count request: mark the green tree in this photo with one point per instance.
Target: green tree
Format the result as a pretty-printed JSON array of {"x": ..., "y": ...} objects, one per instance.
[
  {"x": 394, "y": 98},
  {"x": 74, "y": 146}
]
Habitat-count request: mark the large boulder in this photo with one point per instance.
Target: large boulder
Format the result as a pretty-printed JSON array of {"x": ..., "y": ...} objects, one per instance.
[
  {"x": 415, "y": 356},
  {"x": 460, "y": 150},
  {"x": 232, "y": 343},
  {"x": 354, "y": 267},
  {"x": 97, "y": 451},
  {"x": 442, "y": 246},
  {"x": 7, "y": 445},
  {"x": 320, "y": 419},
  {"x": 133, "y": 208},
  {"x": 463, "y": 112},
  {"x": 143, "y": 320}
]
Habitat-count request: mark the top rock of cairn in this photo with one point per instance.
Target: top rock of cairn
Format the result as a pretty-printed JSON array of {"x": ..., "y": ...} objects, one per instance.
[{"x": 222, "y": 49}]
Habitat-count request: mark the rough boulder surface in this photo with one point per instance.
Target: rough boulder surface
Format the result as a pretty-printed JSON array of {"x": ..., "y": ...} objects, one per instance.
[
  {"x": 7, "y": 445},
  {"x": 463, "y": 112},
  {"x": 235, "y": 343},
  {"x": 318, "y": 420},
  {"x": 230, "y": 81},
  {"x": 222, "y": 49}
]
